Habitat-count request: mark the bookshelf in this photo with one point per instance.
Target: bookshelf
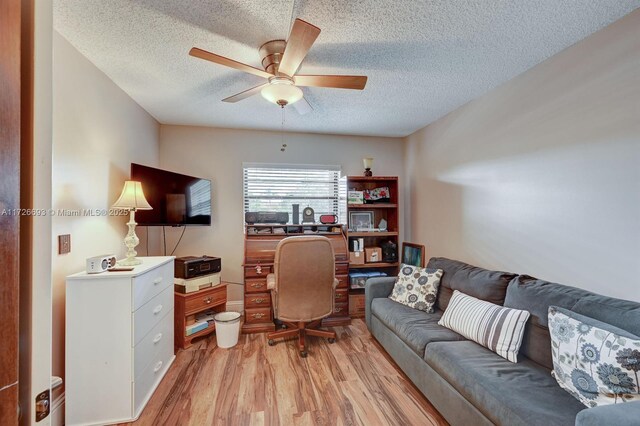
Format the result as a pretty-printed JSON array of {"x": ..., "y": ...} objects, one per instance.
[{"x": 387, "y": 210}]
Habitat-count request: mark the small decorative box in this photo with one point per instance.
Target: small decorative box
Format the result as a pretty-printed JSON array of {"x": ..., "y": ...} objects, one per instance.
[
  {"x": 373, "y": 254},
  {"x": 355, "y": 197}
]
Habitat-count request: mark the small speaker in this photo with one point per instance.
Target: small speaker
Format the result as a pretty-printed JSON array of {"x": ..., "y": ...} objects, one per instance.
[
  {"x": 389, "y": 252},
  {"x": 296, "y": 214},
  {"x": 251, "y": 217}
]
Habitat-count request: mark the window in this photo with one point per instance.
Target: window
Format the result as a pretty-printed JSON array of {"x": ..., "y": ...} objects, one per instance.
[
  {"x": 200, "y": 198},
  {"x": 275, "y": 187}
]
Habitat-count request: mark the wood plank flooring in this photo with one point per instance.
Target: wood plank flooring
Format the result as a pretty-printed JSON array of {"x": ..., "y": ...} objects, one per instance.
[{"x": 350, "y": 382}]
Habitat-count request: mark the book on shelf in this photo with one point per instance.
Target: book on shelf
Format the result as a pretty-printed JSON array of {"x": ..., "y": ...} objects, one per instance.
[{"x": 195, "y": 327}]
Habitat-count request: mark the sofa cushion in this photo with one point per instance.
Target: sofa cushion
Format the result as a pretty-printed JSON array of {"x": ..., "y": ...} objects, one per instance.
[
  {"x": 535, "y": 296},
  {"x": 413, "y": 327},
  {"x": 507, "y": 393},
  {"x": 477, "y": 282}
]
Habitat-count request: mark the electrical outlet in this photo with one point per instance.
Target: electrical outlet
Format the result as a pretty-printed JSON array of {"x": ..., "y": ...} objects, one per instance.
[{"x": 64, "y": 244}]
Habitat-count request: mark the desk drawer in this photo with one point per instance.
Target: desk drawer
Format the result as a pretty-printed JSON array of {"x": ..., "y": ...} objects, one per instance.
[
  {"x": 342, "y": 268},
  {"x": 340, "y": 310},
  {"x": 256, "y": 315},
  {"x": 159, "y": 338},
  {"x": 255, "y": 285},
  {"x": 145, "y": 318},
  {"x": 257, "y": 300},
  {"x": 151, "y": 283},
  {"x": 342, "y": 295},
  {"x": 203, "y": 300},
  {"x": 255, "y": 272},
  {"x": 343, "y": 281}
]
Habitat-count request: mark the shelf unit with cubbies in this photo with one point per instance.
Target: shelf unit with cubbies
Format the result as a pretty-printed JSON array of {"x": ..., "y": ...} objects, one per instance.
[{"x": 389, "y": 211}]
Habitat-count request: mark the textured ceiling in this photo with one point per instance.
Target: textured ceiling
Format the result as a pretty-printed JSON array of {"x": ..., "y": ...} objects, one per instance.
[{"x": 423, "y": 58}]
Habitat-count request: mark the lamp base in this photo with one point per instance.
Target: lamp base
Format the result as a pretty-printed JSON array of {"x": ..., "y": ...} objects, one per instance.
[
  {"x": 367, "y": 172},
  {"x": 130, "y": 242},
  {"x": 130, "y": 262}
]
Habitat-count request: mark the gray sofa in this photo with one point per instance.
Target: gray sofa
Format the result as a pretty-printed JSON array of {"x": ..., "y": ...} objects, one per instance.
[{"x": 468, "y": 383}]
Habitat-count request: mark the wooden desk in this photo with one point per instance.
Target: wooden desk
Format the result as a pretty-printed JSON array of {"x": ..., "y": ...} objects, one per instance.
[
  {"x": 259, "y": 253},
  {"x": 186, "y": 305}
]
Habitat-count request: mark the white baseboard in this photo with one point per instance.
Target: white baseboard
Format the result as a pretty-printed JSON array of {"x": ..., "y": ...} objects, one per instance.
[
  {"x": 57, "y": 411},
  {"x": 235, "y": 306}
]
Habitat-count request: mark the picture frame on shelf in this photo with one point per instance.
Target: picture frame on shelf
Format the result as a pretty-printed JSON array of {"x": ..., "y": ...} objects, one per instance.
[
  {"x": 413, "y": 254},
  {"x": 361, "y": 220}
]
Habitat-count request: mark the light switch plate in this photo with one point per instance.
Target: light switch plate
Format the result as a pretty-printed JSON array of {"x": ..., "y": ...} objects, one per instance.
[{"x": 64, "y": 244}]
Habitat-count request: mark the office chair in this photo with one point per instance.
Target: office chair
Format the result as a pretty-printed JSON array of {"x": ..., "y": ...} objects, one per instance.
[{"x": 303, "y": 288}]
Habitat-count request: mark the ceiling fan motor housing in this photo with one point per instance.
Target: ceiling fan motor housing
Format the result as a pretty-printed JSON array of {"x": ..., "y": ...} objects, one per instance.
[{"x": 271, "y": 54}]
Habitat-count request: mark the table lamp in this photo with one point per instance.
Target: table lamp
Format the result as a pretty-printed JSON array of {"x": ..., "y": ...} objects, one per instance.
[
  {"x": 132, "y": 199},
  {"x": 368, "y": 162}
]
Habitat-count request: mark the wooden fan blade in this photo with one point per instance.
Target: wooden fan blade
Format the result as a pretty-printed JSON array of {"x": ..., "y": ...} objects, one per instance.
[
  {"x": 208, "y": 56},
  {"x": 302, "y": 107},
  {"x": 337, "y": 81},
  {"x": 302, "y": 36},
  {"x": 244, "y": 95}
]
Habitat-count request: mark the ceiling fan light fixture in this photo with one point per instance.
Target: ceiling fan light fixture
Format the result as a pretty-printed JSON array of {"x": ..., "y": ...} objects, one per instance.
[{"x": 281, "y": 91}]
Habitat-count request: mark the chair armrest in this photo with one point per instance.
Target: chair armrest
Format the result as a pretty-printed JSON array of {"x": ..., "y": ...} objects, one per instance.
[
  {"x": 271, "y": 282},
  {"x": 373, "y": 289},
  {"x": 621, "y": 414}
]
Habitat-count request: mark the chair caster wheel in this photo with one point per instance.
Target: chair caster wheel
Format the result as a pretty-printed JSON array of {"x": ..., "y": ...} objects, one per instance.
[
  {"x": 332, "y": 340},
  {"x": 303, "y": 354},
  {"x": 271, "y": 342}
]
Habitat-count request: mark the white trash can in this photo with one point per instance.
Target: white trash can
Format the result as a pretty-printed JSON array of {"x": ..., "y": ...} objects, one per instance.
[{"x": 227, "y": 329}]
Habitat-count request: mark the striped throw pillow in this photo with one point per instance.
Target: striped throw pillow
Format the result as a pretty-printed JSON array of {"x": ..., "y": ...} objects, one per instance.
[{"x": 495, "y": 327}]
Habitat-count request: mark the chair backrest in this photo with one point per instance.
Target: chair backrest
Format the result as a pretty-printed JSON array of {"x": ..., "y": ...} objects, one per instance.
[{"x": 304, "y": 272}]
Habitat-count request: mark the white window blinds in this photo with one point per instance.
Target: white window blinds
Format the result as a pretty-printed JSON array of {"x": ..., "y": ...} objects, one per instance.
[{"x": 275, "y": 187}]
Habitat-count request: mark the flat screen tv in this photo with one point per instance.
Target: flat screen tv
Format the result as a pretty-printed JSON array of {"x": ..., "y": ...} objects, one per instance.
[{"x": 176, "y": 199}]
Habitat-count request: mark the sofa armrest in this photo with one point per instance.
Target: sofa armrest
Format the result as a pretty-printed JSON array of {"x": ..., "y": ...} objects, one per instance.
[
  {"x": 621, "y": 414},
  {"x": 373, "y": 289}
]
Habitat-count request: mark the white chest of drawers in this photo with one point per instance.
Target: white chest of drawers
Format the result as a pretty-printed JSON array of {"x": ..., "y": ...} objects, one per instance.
[{"x": 119, "y": 341}]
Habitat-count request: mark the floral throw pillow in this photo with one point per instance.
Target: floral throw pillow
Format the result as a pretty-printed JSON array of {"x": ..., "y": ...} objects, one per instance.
[
  {"x": 417, "y": 287},
  {"x": 595, "y": 362}
]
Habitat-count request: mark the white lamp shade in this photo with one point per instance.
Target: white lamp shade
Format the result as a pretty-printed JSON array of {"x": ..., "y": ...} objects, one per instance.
[
  {"x": 282, "y": 91},
  {"x": 368, "y": 162},
  {"x": 132, "y": 197}
]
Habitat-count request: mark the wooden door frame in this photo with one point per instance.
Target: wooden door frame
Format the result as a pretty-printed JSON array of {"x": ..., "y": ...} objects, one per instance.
[{"x": 11, "y": 134}]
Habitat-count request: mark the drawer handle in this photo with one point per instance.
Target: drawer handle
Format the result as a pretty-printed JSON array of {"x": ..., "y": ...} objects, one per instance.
[
  {"x": 258, "y": 269},
  {"x": 259, "y": 300},
  {"x": 157, "y": 367},
  {"x": 338, "y": 310},
  {"x": 157, "y": 338},
  {"x": 257, "y": 285},
  {"x": 157, "y": 281},
  {"x": 340, "y": 296},
  {"x": 207, "y": 300},
  {"x": 157, "y": 310},
  {"x": 258, "y": 315}
]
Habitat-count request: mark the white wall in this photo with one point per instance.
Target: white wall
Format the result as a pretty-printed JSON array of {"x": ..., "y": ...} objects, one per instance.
[
  {"x": 218, "y": 154},
  {"x": 541, "y": 175},
  {"x": 98, "y": 130}
]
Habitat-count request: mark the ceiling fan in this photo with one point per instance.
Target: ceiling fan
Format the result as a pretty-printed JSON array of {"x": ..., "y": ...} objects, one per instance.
[{"x": 281, "y": 60}]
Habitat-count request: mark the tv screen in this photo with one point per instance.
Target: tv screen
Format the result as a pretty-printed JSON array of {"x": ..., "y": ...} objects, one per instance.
[{"x": 176, "y": 199}]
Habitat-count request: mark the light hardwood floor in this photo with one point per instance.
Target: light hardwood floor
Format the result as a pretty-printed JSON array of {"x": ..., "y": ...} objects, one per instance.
[{"x": 350, "y": 382}]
